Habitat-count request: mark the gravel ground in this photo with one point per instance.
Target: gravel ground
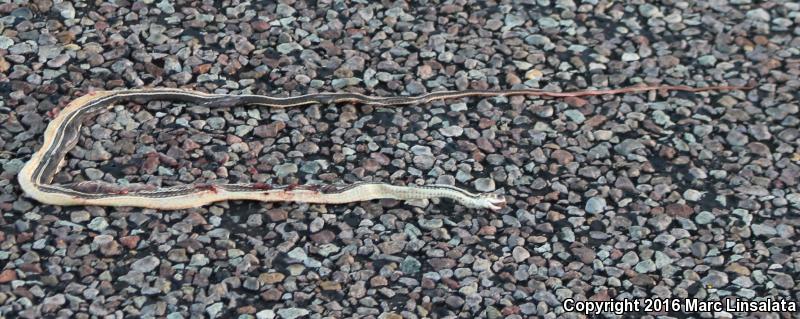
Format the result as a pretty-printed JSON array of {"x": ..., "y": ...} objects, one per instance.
[{"x": 618, "y": 197}]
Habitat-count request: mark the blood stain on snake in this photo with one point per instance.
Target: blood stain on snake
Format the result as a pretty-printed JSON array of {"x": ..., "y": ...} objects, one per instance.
[
  {"x": 262, "y": 186},
  {"x": 207, "y": 187}
]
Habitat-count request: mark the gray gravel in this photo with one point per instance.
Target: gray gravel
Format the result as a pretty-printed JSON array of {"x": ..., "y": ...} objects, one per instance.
[{"x": 644, "y": 195}]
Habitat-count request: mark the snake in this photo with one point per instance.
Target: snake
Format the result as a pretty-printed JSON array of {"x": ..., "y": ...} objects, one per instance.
[{"x": 63, "y": 131}]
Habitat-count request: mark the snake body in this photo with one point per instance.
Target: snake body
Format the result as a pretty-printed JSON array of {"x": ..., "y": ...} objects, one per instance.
[{"x": 63, "y": 131}]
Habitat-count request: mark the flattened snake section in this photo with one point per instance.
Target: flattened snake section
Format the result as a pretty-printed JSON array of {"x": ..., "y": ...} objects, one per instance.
[{"x": 63, "y": 132}]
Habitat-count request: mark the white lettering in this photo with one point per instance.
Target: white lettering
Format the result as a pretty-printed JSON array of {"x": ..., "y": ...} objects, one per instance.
[{"x": 589, "y": 307}]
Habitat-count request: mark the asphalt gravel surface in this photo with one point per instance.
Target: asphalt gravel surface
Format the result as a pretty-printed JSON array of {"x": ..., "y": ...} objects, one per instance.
[{"x": 667, "y": 195}]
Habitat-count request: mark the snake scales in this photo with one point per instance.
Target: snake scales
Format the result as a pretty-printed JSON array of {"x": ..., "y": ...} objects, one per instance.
[{"x": 63, "y": 132}]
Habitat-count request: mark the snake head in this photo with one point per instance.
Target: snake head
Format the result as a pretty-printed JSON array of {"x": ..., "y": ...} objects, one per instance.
[{"x": 494, "y": 202}]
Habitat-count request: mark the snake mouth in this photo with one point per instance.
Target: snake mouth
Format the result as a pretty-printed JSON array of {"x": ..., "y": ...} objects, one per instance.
[{"x": 494, "y": 202}]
